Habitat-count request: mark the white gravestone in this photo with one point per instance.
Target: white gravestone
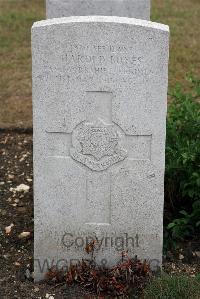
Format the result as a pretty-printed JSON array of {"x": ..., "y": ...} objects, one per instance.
[
  {"x": 123, "y": 8},
  {"x": 99, "y": 104}
]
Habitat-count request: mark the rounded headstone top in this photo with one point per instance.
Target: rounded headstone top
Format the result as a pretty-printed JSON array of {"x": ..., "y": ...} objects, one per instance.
[{"x": 101, "y": 19}]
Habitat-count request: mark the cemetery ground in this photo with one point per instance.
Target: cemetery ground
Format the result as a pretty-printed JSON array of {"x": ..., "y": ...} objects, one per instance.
[
  {"x": 16, "y": 205},
  {"x": 16, "y": 235}
]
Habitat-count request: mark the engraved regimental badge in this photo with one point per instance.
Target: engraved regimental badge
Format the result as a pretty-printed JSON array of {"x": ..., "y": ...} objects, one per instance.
[{"x": 97, "y": 145}]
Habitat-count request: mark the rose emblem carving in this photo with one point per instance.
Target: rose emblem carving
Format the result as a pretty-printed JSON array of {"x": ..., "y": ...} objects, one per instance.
[{"x": 97, "y": 145}]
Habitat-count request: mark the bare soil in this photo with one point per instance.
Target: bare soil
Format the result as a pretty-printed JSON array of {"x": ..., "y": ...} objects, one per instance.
[{"x": 16, "y": 255}]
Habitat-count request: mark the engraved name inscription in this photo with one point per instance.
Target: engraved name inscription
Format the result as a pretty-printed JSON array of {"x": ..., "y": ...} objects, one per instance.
[{"x": 84, "y": 61}]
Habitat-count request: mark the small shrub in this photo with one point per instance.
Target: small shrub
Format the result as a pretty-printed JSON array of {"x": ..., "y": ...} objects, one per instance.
[
  {"x": 182, "y": 176},
  {"x": 173, "y": 287},
  {"x": 130, "y": 275}
]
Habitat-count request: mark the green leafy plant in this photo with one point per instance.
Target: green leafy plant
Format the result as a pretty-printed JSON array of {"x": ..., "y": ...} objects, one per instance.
[{"x": 182, "y": 176}]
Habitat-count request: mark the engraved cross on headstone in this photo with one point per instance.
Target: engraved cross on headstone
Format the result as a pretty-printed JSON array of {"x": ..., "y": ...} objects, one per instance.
[{"x": 97, "y": 143}]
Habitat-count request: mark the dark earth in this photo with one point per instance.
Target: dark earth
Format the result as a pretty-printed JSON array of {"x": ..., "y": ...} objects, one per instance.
[{"x": 16, "y": 228}]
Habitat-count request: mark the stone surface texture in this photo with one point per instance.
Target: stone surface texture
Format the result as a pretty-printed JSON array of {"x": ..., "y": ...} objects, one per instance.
[
  {"x": 122, "y": 8},
  {"x": 99, "y": 105}
]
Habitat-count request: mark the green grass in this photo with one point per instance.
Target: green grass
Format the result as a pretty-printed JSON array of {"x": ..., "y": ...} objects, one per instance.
[
  {"x": 16, "y": 18},
  {"x": 173, "y": 287},
  {"x": 183, "y": 18}
]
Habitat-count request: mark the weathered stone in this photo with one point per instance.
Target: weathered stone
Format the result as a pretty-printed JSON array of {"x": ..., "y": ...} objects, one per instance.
[
  {"x": 99, "y": 104},
  {"x": 122, "y": 8}
]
